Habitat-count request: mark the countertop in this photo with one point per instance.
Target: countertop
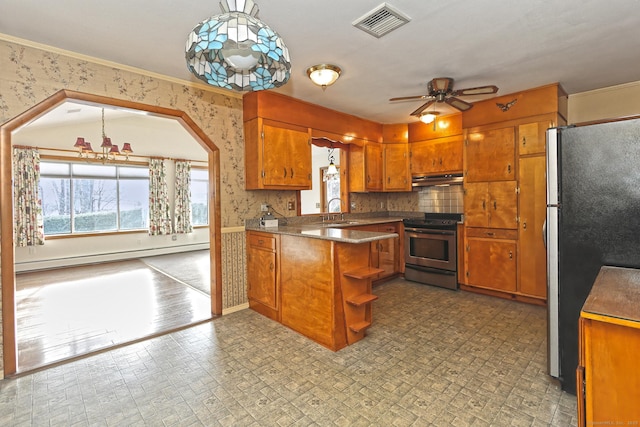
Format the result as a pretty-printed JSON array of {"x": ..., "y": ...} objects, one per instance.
[
  {"x": 615, "y": 293},
  {"x": 335, "y": 230}
]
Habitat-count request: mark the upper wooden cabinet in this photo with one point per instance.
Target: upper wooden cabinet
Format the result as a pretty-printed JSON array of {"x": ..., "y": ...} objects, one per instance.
[
  {"x": 396, "y": 167},
  {"x": 490, "y": 155},
  {"x": 439, "y": 156},
  {"x": 365, "y": 167},
  {"x": 532, "y": 137},
  {"x": 277, "y": 156},
  {"x": 491, "y": 204}
]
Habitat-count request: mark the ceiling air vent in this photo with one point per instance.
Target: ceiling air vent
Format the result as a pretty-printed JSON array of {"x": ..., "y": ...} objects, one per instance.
[{"x": 381, "y": 20}]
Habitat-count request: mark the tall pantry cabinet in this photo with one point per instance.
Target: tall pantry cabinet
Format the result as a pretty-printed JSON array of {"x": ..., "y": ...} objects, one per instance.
[{"x": 505, "y": 193}]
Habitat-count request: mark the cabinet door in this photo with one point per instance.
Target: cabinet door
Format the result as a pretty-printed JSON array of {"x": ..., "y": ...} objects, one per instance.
[
  {"x": 449, "y": 153},
  {"x": 532, "y": 138},
  {"x": 491, "y": 263},
  {"x": 475, "y": 204},
  {"x": 373, "y": 167},
  {"x": 532, "y": 204},
  {"x": 490, "y": 155},
  {"x": 396, "y": 167},
  {"x": 423, "y": 158},
  {"x": 389, "y": 251},
  {"x": 286, "y": 157},
  {"x": 503, "y": 204},
  {"x": 261, "y": 274}
]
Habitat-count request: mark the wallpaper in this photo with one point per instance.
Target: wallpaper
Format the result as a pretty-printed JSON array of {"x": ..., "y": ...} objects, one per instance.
[{"x": 29, "y": 75}]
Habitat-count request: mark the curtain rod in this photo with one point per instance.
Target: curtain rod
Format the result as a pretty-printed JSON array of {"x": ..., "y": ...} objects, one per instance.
[{"x": 131, "y": 155}]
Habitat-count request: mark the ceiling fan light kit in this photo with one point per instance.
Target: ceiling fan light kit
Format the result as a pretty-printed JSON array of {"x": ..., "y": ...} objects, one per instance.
[
  {"x": 440, "y": 89},
  {"x": 236, "y": 50},
  {"x": 324, "y": 75}
]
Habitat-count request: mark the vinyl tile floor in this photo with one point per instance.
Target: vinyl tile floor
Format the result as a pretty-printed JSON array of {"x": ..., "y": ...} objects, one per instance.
[{"x": 433, "y": 357}]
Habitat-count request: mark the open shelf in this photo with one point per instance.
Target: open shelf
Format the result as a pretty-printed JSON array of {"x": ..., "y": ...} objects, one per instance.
[
  {"x": 362, "y": 299},
  {"x": 363, "y": 272}
]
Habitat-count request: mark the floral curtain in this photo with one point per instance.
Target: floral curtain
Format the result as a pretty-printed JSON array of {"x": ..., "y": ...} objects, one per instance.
[
  {"x": 159, "y": 207},
  {"x": 182, "y": 215},
  {"x": 28, "y": 222}
]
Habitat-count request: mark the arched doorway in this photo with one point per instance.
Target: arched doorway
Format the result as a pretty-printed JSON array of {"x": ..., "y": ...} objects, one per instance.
[{"x": 6, "y": 203}]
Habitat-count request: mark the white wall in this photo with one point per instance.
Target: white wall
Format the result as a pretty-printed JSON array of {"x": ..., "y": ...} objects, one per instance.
[{"x": 606, "y": 103}]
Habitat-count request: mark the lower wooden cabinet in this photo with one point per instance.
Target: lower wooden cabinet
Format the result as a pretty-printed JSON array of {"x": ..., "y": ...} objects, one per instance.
[
  {"x": 491, "y": 259},
  {"x": 262, "y": 276},
  {"x": 385, "y": 254},
  {"x": 608, "y": 383}
]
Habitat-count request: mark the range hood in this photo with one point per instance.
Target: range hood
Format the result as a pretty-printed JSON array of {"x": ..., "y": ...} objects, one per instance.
[{"x": 433, "y": 180}]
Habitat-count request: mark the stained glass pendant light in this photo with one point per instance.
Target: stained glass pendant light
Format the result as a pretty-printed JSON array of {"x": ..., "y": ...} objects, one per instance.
[{"x": 235, "y": 50}]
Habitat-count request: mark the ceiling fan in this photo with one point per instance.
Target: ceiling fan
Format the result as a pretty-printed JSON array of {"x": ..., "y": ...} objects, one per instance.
[{"x": 440, "y": 89}]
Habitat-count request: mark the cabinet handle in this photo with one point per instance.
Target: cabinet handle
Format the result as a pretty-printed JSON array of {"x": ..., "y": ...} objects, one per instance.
[
  {"x": 285, "y": 172},
  {"x": 440, "y": 161},
  {"x": 291, "y": 173},
  {"x": 368, "y": 178},
  {"x": 524, "y": 141},
  {"x": 509, "y": 168},
  {"x": 388, "y": 180},
  {"x": 270, "y": 266},
  {"x": 489, "y": 233},
  {"x": 433, "y": 162},
  {"x": 524, "y": 225},
  {"x": 495, "y": 205},
  {"x": 484, "y": 205},
  {"x": 261, "y": 242},
  {"x": 510, "y": 255}
]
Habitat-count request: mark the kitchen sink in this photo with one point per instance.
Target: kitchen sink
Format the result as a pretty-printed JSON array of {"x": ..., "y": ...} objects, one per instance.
[{"x": 339, "y": 223}]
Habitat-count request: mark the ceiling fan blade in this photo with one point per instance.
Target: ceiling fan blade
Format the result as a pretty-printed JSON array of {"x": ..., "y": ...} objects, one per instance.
[
  {"x": 480, "y": 90},
  {"x": 422, "y": 108},
  {"x": 458, "y": 103},
  {"x": 407, "y": 98}
]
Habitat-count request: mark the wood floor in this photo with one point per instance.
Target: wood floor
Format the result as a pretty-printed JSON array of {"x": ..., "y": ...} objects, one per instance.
[{"x": 65, "y": 313}]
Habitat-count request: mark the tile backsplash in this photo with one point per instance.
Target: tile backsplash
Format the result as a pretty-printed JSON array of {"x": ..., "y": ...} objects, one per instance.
[{"x": 441, "y": 199}]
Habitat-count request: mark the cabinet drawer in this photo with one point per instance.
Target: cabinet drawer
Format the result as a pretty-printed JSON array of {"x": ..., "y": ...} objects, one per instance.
[
  {"x": 261, "y": 240},
  {"x": 388, "y": 228},
  {"x": 492, "y": 233}
]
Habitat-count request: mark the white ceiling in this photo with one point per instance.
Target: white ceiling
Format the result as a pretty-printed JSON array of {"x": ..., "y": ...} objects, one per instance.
[{"x": 516, "y": 45}]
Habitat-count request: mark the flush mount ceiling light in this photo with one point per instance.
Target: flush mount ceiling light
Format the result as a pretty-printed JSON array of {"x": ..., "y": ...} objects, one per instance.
[
  {"x": 429, "y": 117},
  {"x": 324, "y": 74},
  {"x": 235, "y": 50}
]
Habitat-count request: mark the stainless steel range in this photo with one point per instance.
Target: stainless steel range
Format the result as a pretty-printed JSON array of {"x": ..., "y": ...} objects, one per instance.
[{"x": 431, "y": 253}]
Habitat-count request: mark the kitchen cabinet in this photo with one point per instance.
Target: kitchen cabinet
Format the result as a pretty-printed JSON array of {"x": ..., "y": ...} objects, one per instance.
[
  {"x": 365, "y": 167},
  {"x": 490, "y": 259},
  {"x": 437, "y": 157},
  {"x": 532, "y": 137},
  {"x": 490, "y": 155},
  {"x": 262, "y": 277},
  {"x": 608, "y": 384},
  {"x": 318, "y": 287},
  {"x": 396, "y": 167},
  {"x": 532, "y": 270},
  {"x": 277, "y": 155},
  {"x": 491, "y": 204},
  {"x": 385, "y": 254}
]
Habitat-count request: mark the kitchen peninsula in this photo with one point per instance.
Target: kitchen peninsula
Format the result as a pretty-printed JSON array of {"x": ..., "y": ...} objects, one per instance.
[{"x": 314, "y": 279}]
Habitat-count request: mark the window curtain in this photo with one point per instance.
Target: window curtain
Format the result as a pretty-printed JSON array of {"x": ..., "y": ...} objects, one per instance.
[
  {"x": 159, "y": 207},
  {"x": 28, "y": 222},
  {"x": 183, "y": 197}
]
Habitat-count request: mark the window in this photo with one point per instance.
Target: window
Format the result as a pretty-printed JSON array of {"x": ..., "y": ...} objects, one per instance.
[
  {"x": 87, "y": 198},
  {"x": 199, "y": 196}
]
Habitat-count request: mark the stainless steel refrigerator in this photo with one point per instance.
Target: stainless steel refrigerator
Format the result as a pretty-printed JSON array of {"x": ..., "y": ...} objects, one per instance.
[{"x": 593, "y": 219}]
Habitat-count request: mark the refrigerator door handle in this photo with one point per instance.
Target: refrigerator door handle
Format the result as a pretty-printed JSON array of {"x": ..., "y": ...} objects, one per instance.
[{"x": 544, "y": 233}]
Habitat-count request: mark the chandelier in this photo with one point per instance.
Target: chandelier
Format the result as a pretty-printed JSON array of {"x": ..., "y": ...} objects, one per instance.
[
  {"x": 235, "y": 50},
  {"x": 109, "y": 150}
]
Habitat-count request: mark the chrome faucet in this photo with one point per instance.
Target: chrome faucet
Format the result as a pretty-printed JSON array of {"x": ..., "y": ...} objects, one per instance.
[{"x": 329, "y": 204}]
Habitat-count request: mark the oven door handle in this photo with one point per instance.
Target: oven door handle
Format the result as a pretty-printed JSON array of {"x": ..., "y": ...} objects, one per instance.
[{"x": 430, "y": 231}]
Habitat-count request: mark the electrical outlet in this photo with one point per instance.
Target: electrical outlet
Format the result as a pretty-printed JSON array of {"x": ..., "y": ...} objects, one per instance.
[
  {"x": 291, "y": 205},
  {"x": 264, "y": 207}
]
